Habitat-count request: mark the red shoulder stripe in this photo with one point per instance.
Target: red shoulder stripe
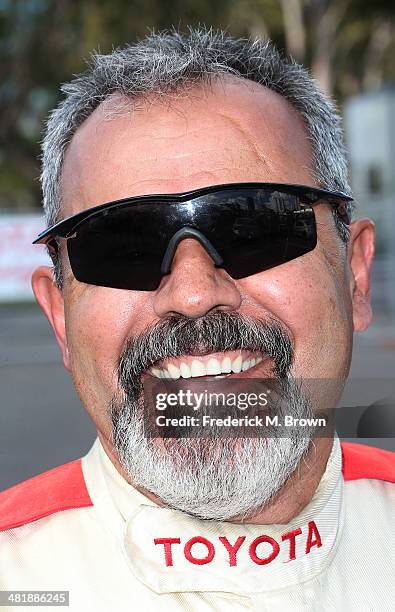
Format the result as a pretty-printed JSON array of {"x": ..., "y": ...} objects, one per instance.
[
  {"x": 361, "y": 461},
  {"x": 61, "y": 488}
]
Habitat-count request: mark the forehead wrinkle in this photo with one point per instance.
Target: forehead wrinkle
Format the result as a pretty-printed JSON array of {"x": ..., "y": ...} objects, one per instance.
[
  {"x": 241, "y": 129},
  {"x": 201, "y": 174},
  {"x": 100, "y": 121},
  {"x": 185, "y": 154},
  {"x": 203, "y": 124},
  {"x": 248, "y": 146}
]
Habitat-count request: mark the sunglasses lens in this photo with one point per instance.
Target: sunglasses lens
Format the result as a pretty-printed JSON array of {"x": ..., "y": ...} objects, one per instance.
[
  {"x": 259, "y": 243},
  {"x": 252, "y": 230},
  {"x": 118, "y": 250},
  {"x": 257, "y": 229}
]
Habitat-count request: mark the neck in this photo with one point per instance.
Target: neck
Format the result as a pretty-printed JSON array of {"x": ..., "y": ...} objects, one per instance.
[{"x": 288, "y": 502}]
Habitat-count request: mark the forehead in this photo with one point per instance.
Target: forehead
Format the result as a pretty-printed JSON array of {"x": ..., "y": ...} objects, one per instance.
[{"x": 232, "y": 130}]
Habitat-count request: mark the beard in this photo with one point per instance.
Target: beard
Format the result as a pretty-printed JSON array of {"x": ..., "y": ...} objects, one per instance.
[{"x": 209, "y": 477}]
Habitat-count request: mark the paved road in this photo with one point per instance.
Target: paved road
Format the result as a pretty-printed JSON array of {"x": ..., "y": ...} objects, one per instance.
[{"x": 42, "y": 422}]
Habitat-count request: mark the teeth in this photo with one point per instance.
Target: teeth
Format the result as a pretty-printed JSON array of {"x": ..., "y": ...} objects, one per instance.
[
  {"x": 246, "y": 365},
  {"x": 213, "y": 368},
  {"x": 174, "y": 372},
  {"x": 236, "y": 365},
  {"x": 226, "y": 365},
  {"x": 184, "y": 370},
  {"x": 197, "y": 368}
]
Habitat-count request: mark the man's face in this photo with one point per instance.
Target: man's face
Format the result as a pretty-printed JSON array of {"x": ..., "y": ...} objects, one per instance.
[{"x": 233, "y": 131}]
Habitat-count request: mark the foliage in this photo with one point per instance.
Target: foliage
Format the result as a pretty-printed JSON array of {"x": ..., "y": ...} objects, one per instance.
[{"x": 348, "y": 44}]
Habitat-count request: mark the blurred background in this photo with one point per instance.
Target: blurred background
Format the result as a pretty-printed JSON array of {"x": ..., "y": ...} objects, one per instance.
[{"x": 349, "y": 45}]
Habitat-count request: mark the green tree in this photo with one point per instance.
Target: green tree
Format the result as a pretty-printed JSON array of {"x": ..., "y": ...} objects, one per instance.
[{"x": 348, "y": 44}]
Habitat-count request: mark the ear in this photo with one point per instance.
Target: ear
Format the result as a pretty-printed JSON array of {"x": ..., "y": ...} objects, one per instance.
[
  {"x": 360, "y": 257},
  {"x": 50, "y": 299}
]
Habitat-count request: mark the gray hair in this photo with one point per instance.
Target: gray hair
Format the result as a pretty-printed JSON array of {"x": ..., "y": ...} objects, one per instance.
[{"x": 164, "y": 63}]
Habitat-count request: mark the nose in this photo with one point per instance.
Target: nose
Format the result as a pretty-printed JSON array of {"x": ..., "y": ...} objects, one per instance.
[{"x": 195, "y": 286}]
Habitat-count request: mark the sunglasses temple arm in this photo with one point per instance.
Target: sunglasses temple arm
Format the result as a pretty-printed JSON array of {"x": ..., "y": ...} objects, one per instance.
[{"x": 188, "y": 232}]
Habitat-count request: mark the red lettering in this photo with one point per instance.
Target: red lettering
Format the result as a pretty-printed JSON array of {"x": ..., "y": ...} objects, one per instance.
[
  {"x": 198, "y": 540},
  {"x": 167, "y": 542},
  {"x": 313, "y": 537},
  {"x": 265, "y": 560},
  {"x": 232, "y": 550},
  {"x": 291, "y": 536}
]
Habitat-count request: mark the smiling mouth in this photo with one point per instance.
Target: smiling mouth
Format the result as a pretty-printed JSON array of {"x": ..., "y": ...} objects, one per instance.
[{"x": 219, "y": 365}]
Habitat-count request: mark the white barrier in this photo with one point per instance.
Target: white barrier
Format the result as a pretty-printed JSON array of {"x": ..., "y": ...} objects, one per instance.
[{"x": 18, "y": 256}]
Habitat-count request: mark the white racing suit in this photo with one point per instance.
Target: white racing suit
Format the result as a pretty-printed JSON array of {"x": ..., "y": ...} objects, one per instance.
[{"x": 82, "y": 528}]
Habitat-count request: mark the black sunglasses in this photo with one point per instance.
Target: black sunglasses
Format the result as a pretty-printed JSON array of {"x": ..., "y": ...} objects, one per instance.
[{"x": 245, "y": 227}]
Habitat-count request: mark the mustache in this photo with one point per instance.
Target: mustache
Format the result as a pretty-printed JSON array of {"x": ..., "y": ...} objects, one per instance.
[{"x": 218, "y": 331}]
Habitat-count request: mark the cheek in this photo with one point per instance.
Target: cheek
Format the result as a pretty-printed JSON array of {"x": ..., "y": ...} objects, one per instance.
[
  {"x": 98, "y": 322},
  {"x": 309, "y": 296}
]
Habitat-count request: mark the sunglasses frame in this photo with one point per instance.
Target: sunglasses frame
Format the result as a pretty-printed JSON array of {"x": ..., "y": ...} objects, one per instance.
[{"x": 309, "y": 195}]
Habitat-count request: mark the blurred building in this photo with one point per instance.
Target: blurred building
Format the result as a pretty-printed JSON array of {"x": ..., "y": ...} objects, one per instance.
[
  {"x": 370, "y": 133},
  {"x": 18, "y": 256}
]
